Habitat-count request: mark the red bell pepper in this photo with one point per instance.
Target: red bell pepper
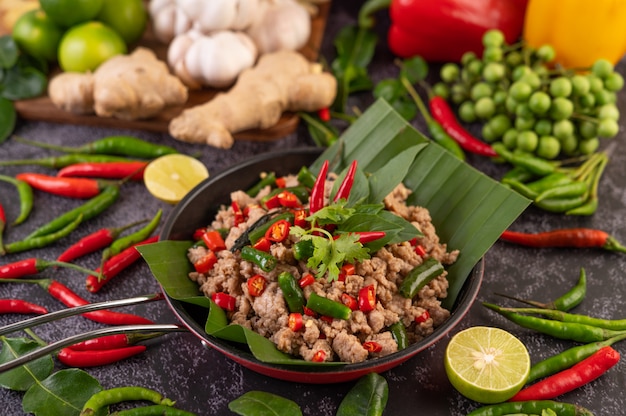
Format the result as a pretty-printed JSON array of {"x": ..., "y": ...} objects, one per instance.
[{"x": 443, "y": 30}]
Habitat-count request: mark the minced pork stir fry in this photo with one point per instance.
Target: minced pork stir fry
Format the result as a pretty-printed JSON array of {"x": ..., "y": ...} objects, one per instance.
[{"x": 325, "y": 275}]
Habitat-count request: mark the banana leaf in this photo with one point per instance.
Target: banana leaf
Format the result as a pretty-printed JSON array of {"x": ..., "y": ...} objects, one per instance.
[{"x": 469, "y": 211}]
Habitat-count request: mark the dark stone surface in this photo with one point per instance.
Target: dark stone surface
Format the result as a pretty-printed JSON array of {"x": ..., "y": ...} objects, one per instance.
[{"x": 203, "y": 381}]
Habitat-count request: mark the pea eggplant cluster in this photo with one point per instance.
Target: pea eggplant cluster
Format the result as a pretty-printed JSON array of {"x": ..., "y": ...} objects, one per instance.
[{"x": 570, "y": 369}]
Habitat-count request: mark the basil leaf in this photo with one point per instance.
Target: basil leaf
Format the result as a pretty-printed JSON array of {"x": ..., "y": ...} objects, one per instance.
[
  {"x": 63, "y": 393},
  {"x": 260, "y": 403},
  {"x": 8, "y": 118},
  {"x": 368, "y": 397},
  {"x": 23, "y": 377}
]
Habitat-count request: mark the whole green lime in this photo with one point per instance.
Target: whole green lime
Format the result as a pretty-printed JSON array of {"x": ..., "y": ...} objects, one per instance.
[
  {"x": 84, "y": 47},
  {"x": 37, "y": 35},
  {"x": 68, "y": 13},
  {"x": 126, "y": 17}
]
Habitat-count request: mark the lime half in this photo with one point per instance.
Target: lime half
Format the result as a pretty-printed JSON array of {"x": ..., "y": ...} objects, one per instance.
[
  {"x": 487, "y": 365},
  {"x": 171, "y": 177}
]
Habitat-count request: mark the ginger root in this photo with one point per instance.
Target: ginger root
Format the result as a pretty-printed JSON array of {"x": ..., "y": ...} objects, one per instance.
[
  {"x": 281, "y": 81},
  {"x": 127, "y": 87}
]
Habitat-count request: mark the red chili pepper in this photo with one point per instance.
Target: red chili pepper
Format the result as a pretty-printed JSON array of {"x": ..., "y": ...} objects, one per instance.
[
  {"x": 442, "y": 31},
  {"x": 92, "y": 242},
  {"x": 306, "y": 280},
  {"x": 346, "y": 185},
  {"x": 366, "y": 236},
  {"x": 109, "y": 342},
  {"x": 566, "y": 237},
  {"x": 3, "y": 222},
  {"x": 319, "y": 356},
  {"x": 224, "y": 301},
  {"x": 105, "y": 170},
  {"x": 256, "y": 285},
  {"x": 423, "y": 317},
  {"x": 316, "y": 200},
  {"x": 21, "y": 306},
  {"x": 295, "y": 321},
  {"x": 70, "y": 299},
  {"x": 206, "y": 263},
  {"x": 262, "y": 244},
  {"x": 324, "y": 114},
  {"x": 299, "y": 218},
  {"x": 288, "y": 199},
  {"x": 115, "y": 265},
  {"x": 239, "y": 217},
  {"x": 32, "y": 266},
  {"x": 367, "y": 298},
  {"x": 80, "y": 188},
  {"x": 372, "y": 346},
  {"x": 444, "y": 115},
  {"x": 80, "y": 359},
  {"x": 278, "y": 231},
  {"x": 214, "y": 241},
  {"x": 349, "y": 301},
  {"x": 574, "y": 377}
]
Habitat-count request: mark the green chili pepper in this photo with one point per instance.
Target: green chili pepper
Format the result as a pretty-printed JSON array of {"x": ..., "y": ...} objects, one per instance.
[
  {"x": 62, "y": 161},
  {"x": 531, "y": 407},
  {"x": 303, "y": 249},
  {"x": 44, "y": 240},
  {"x": 328, "y": 307},
  {"x": 89, "y": 210},
  {"x": 113, "y": 145},
  {"x": 398, "y": 332},
  {"x": 258, "y": 232},
  {"x": 153, "y": 410},
  {"x": 25, "y": 194},
  {"x": 121, "y": 394},
  {"x": 123, "y": 243},
  {"x": 368, "y": 397},
  {"x": 553, "y": 314},
  {"x": 519, "y": 174},
  {"x": 549, "y": 181},
  {"x": 268, "y": 180},
  {"x": 561, "y": 205},
  {"x": 567, "y": 190},
  {"x": 588, "y": 208},
  {"x": 264, "y": 260},
  {"x": 563, "y": 330},
  {"x": 420, "y": 276},
  {"x": 291, "y": 292},
  {"x": 567, "y": 358},
  {"x": 533, "y": 164},
  {"x": 305, "y": 177},
  {"x": 520, "y": 188}
]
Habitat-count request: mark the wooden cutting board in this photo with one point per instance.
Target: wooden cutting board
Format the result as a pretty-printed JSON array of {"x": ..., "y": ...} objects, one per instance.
[{"x": 42, "y": 109}]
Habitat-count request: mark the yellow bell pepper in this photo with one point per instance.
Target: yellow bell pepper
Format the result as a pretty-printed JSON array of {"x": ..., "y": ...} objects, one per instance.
[{"x": 580, "y": 31}]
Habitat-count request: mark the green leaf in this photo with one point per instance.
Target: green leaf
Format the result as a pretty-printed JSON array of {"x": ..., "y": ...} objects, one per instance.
[
  {"x": 469, "y": 209},
  {"x": 260, "y": 403},
  {"x": 63, "y": 393},
  {"x": 22, "y": 377},
  {"x": 23, "y": 82},
  {"x": 169, "y": 264},
  {"x": 385, "y": 179},
  {"x": 8, "y": 117},
  {"x": 368, "y": 397},
  {"x": 8, "y": 51},
  {"x": 414, "y": 69}
]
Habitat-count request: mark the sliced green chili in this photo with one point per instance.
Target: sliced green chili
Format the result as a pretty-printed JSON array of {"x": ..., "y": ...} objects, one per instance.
[
  {"x": 303, "y": 249},
  {"x": 399, "y": 334},
  {"x": 291, "y": 292},
  {"x": 25, "y": 194},
  {"x": 328, "y": 307},
  {"x": 264, "y": 260},
  {"x": 268, "y": 180},
  {"x": 44, "y": 240},
  {"x": 306, "y": 177},
  {"x": 89, "y": 210},
  {"x": 420, "y": 276}
]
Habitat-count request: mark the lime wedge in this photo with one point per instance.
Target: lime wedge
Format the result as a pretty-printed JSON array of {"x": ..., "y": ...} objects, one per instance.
[
  {"x": 171, "y": 177},
  {"x": 487, "y": 365}
]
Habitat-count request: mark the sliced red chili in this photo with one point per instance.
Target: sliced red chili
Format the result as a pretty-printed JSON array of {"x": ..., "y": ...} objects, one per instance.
[
  {"x": 319, "y": 356},
  {"x": 327, "y": 319},
  {"x": 372, "y": 346},
  {"x": 278, "y": 231},
  {"x": 256, "y": 285},
  {"x": 420, "y": 250},
  {"x": 238, "y": 213},
  {"x": 349, "y": 301},
  {"x": 299, "y": 218},
  {"x": 295, "y": 321},
  {"x": 281, "y": 182},
  {"x": 213, "y": 240},
  {"x": 367, "y": 298},
  {"x": 224, "y": 301},
  {"x": 306, "y": 280},
  {"x": 206, "y": 263},
  {"x": 348, "y": 269},
  {"x": 263, "y": 244},
  {"x": 272, "y": 202},
  {"x": 288, "y": 199},
  {"x": 197, "y": 235},
  {"x": 425, "y": 316},
  {"x": 309, "y": 312}
]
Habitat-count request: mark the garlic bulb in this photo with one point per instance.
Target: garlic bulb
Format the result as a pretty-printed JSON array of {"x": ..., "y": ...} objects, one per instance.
[
  {"x": 213, "y": 15},
  {"x": 280, "y": 25},
  {"x": 168, "y": 20}
]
